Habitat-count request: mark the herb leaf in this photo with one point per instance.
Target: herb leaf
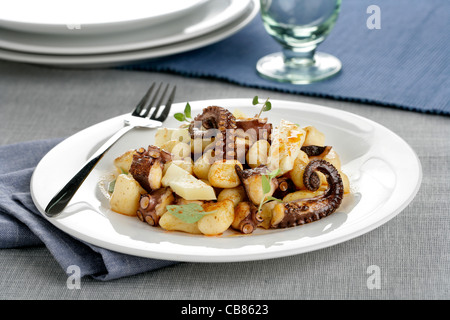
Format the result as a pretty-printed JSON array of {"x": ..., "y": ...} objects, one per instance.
[
  {"x": 187, "y": 110},
  {"x": 265, "y": 181},
  {"x": 189, "y": 213},
  {"x": 267, "y": 106},
  {"x": 179, "y": 116},
  {"x": 265, "y": 184},
  {"x": 111, "y": 186},
  {"x": 273, "y": 174},
  {"x": 185, "y": 115}
]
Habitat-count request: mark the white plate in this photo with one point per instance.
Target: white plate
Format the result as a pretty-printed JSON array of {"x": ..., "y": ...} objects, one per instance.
[
  {"x": 384, "y": 173},
  {"x": 120, "y": 58},
  {"x": 207, "y": 18},
  {"x": 94, "y": 17}
]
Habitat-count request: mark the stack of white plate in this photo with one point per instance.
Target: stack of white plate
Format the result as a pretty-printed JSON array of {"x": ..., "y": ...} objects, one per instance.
[{"x": 90, "y": 33}]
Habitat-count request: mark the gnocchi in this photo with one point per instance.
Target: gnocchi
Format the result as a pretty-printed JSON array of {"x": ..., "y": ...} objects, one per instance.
[
  {"x": 126, "y": 195},
  {"x": 236, "y": 195},
  {"x": 171, "y": 223},
  {"x": 203, "y": 164},
  {"x": 222, "y": 174},
  {"x": 219, "y": 220}
]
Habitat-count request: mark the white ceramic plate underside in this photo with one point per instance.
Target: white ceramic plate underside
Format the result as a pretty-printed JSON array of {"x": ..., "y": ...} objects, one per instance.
[{"x": 384, "y": 173}]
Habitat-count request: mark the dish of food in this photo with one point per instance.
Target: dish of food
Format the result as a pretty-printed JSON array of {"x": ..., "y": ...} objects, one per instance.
[
  {"x": 209, "y": 189},
  {"x": 223, "y": 169}
]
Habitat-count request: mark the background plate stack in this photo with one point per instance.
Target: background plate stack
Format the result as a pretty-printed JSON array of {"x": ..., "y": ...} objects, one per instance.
[{"x": 111, "y": 32}]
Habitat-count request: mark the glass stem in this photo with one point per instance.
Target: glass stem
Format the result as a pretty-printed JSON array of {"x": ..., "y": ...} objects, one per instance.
[{"x": 299, "y": 56}]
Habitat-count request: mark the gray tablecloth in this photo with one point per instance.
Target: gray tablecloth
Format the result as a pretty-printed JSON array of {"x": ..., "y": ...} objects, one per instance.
[{"x": 410, "y": 253}]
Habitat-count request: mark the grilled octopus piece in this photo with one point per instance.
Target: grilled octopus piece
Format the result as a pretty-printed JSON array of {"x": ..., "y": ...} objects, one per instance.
[
  {"x": 220, "y": 123},
  {"x": 152, "y": 205},
  {"x": 246, "y": 217},
  {"x": 254, "y": 129},
  {"x": 147, "y": 167},
  {"x": 252, "y": 181},
  {"x": 285, "y": 186},
  {"x": 303, "y": 211},
  {"x": 316, "y": 152}
]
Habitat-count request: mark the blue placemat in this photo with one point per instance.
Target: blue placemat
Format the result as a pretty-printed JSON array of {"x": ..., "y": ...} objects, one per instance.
[{"x": 405, "y": 64}]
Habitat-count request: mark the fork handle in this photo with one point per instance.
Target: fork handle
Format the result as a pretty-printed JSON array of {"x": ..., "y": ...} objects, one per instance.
[{"x": 63, "y": 197}]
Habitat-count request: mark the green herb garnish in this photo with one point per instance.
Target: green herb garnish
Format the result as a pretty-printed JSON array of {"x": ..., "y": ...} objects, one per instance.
[
  {"x": 266, "y": 105},
  {"x": 185, "y": 115},
  {"x": 265, "y": 181},
  {"x": 111, "y": 186},
  {"x": 189, "y": 213}
]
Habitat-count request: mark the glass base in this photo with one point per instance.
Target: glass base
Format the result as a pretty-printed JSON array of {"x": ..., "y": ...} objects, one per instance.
[{"x": 273, "y": 67}]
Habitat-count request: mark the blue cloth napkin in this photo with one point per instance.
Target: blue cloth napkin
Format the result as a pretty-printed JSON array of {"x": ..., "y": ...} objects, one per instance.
[
  {"x": 21, "y": 224},
  {"x": 405, "y": 64}
]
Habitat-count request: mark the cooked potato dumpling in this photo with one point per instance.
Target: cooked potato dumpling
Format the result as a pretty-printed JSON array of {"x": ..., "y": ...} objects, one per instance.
[
  {"x": 126, "y": 194},
  {"x": 198, "y": 145},
  {"x": 296, "y": 174},
  {"x": 181, "y": 150},
  {"x": 304, "y": 194},
  {"x": 202, "y": 165},
  {"x": 266, "y": 213},
  {"x": 123, "y": 162},
  {"x": 236, "y": 195},
  {"x": 313, "y": 137},
  {"x": 222, "y": 174},
  {"x": 220, "y": 220},
  {"x": 345, "y": 182},
  {"x": 171, "y": 223}
]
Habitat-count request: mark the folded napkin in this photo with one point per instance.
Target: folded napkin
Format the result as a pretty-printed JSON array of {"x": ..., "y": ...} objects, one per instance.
[
  {"x": 405, "y": 64},
  {"x": 22, "y": 225}
]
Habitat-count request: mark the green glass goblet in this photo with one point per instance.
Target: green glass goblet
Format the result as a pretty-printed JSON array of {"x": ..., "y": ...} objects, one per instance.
[{"x": 299, "y": 26}]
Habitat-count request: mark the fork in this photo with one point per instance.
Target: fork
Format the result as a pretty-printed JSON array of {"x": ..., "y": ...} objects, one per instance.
[{"x": 136, "y": 119}]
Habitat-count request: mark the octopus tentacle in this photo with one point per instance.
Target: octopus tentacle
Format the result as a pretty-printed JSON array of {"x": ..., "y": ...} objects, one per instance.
[
  {"x": 285, "y": 186},
  {"x": 246, "y": 217},
  {"x": 218, "y": 122},
  {"x": 316, "y": 151},
  {"x": 303, "y": 211},
  {"x": 252, "y": 182},
  {"x": 153, "y": 205},
  {"x": 254, "y": 129},
  {"x": 147, "y": 166}
]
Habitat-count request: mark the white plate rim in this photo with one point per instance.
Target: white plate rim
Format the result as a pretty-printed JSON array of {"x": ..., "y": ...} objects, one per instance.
[
  {"x": 100, "y": 27},
  {"x": 114, "y": 59},
  {"x": 118, "y": 42},
  {"x": 282, "y": 248}
]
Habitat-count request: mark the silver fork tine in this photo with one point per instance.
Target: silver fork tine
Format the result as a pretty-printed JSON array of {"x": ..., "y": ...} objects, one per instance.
[
  {"x": 165, "y": 112},
  {"x": 158, "y": 105},
  {"x": 152, "y": 103},
  {"x": 137, "y": 111}
]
